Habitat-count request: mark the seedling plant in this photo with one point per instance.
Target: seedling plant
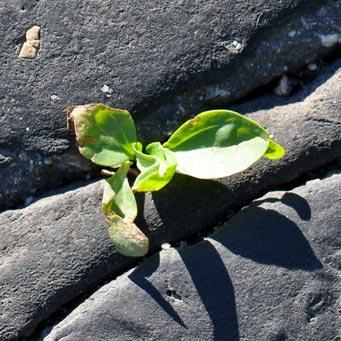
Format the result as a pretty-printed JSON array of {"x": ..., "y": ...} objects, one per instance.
[{"x": 214, "y": 144}]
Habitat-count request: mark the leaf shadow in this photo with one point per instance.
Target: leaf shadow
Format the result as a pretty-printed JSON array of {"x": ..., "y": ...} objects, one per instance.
[
  {"x": 262, "y": 235},
  {"x": 295, "y": 201},
  {"x": 211, "y": 282},
  {"x": 269, "y": 237},
  {"x": 214, "y": 286},
  {"x": 140, "y": 278},
  {"x": 182, "y": 207}
]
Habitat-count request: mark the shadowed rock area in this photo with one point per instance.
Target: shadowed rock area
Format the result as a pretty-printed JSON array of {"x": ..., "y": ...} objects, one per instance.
[
  {"x": 271, "y": 273},
  {"x": 162, "y": 61},
  {"x": 57, "y": 248}
]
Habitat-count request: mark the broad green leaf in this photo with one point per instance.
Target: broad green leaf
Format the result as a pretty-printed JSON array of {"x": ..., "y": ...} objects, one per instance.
[
  {"x": 274, "y": 151},
  {"x": 217, "y": 144},
  {"x": 118, "y": 198},
  {"x": 213, "y": 163},
  {"x": 157, "y": 167},
  {"x": 104, "y": 135},
  {"x": 128, "y": 239}
]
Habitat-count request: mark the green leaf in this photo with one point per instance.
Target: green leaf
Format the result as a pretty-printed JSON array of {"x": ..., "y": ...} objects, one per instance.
[
  {"x": 157, "y": 167},
  {"x": 217, "y": 144},
  {"x": 118, "y": 198},
  {"x": 104, "y": 135},
  {"x": 119, "y": 205},
  {"x": 274, "y": 151},
  {"x": 128, "y": 239}
]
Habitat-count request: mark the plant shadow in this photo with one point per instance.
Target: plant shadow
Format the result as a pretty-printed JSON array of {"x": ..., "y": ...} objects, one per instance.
[
  {"x": 269, "y": 237},
  {"x": 261, "y": 235},
  {"x": 181, "y": 208},
  {"x": 140, "y": 278},
  {"x": 213, "y": 284},
  {"x": 295, "y": 201}
]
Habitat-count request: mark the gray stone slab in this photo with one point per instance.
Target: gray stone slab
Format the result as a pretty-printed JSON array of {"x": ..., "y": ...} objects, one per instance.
[
  {"x": 58, "y": 247},
  {"x": 50, "y": 252},
  {"x": 271, "y": 273},
  {"x": 163, "y": 61}
]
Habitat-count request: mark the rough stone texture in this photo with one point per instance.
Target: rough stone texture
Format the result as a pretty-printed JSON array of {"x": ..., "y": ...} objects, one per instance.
[
  {"x": 50, "y": 251},
  {"x": 57, "y": 248},
  {"x": 271, "y": 273},
  {"x": 167, "y": 59}
]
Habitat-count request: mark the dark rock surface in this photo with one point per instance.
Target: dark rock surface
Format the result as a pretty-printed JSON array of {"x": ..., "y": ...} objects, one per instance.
[
  {"x": 57, "y": 248},
  {"x": 50, "y": 251},
  {"x": 162, "y": 61},
  {"x": 271, "y": 273}
]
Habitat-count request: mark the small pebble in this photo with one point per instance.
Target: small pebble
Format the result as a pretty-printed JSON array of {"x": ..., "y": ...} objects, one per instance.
[
  {"x": 312, "y": 67},
  {"x": 27, "y": 129},
  {"x": 48, "y": 161},
  {"x": 292, "y": 33},
  {"x": 282, "y": 89},
  {"x": 328, "y": 40},
  {"x": 30, "y": 48},
  {"x": 106, "y": 90},
  {"x": 54, "y": 98},
  {"x": 166, "y": 246}
]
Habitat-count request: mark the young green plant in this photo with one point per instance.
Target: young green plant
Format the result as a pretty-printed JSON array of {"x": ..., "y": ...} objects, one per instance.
[{"x": 214, "y": 144}]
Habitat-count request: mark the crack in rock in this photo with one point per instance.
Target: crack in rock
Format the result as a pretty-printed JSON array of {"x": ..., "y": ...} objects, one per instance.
[{"x": 65, "y": 235}]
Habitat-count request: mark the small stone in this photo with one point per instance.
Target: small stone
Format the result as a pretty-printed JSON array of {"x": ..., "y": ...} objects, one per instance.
[
  {"x": 54, "y": 98},
  {"x": 329, "y": 40},
  {"x": 282, "y": 88},
  {"x": 166, "y": 246},
  {"x": 233, "y": 47},
  {"x": 292, "y": 33},
  {"x": 31, "y": 46},
  {"x": 27, "y": 129},
  {"x": 48, "y": 161},
  {"x": 106, "y": 90},
  {"x": 312, "y": 66},
  {"x": 285, "y": 86}
]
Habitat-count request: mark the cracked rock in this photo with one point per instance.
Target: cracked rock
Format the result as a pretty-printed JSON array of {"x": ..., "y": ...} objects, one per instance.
[
  {"x": 268, "y": 274},
  {"x": 58, "y": 247},
  {"x": 163, "y": 61}
]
